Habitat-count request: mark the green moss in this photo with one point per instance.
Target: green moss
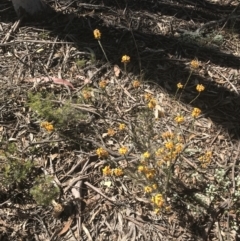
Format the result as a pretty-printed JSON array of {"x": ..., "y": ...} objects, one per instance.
[
  {"x": 44, "y": 191},
  {"x": 62, "y": 115},
  {"x": 16, "y": 170}
]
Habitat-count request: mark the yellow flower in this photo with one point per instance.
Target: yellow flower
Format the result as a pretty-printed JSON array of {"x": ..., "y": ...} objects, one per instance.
[
  {"x": 47, "y": 126},
  {"x": 158, "y": 200},
  {"x": 178, "y": 148},
  {"x": 123, "y": 150},
  {"x": 122, "y": 127},
  {"x": 196, "y": 112},
  {"x": 136, "y": 83},
  {"x": 179, "y": 119},
  {"x": 208, "y": 154},
  {"x": 148, "y": 96},
  {"x": 97, "y": 34},
  {"x": 103, "y": 84},
  {"x": 169, "y": 145},
  {"x": 200, "y": 88},
  {"x": 102, "y": 153},
  {"x": 146, "y": 155},
  {"x": 205, "y": 159},
  {"x": 125, "y": 59},
  {"x": 107, "y": 171},
  {"x": 194, "y": 64},
  {"x": 150, "y": 173},
  {"x": 86, "y": 95},
  {"x": 179, "y": 85},
  {"x": 141, "y": 168},
  {"x": 118, "y": 172},
  {"x": 152, "y": 103},
  {"x": 111, "y": 132},
  {"x": 148, "y": 189}
]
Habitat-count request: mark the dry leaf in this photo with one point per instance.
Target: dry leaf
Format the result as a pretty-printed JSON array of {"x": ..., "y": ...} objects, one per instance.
[
  {"x": 53, "y": 79},
  {"x": 62, "y": 82},
  {"x": 66, "y": 227}
]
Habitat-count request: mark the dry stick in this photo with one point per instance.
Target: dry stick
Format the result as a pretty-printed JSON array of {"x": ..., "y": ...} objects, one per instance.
[
  {"x": 51, "y": 54},
  {"x": 33, "y": 41},
  {"x": 227, "y": 79},
  {"x": 73, "y": 181},
  {"x": 216, "y": 213},
  {"x": 12, "y": 30},
  {"x": 98, "y": 191},
  {"x": 219, "y": 231},
  {"x": 79, "y": 221}
]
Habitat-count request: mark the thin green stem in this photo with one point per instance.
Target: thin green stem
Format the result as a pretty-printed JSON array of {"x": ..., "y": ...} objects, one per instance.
[
  {"x": 194, "y": 98},
  {"x": 125, "y": 67},
  {"x": 176, "y": 94},
  {"x": 103, "y": 50},
  {"x": 185, "y": 84}
]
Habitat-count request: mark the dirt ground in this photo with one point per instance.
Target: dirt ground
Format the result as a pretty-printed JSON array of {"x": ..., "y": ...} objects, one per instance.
[{"x": 58, "y": 54}]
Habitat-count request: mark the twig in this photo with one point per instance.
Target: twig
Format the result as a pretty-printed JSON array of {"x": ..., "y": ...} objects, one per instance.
[
  {"x": 51, "y": 54},
  {"x": 33, "y": 41},
  {"x": 12, "y": 30},
  {"x": 98, "y": 191}
]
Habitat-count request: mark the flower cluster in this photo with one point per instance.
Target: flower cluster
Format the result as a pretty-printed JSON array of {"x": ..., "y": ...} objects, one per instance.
[
  {"x": 47, "y": 126},
  {"x": 194, "y": 64},
  {"x": 200, "y": 88},
  {"x": 122, "y": 126},
  {"x": 150, "y": 189},
  {"x": 148, "y": 96},
  {"x": 146, "y": 155},
  {"x": 97, "y": 34},
  {"x": 171, "y": 149},
  {"x": 125, "y": 59},
  {"x": 179, "y": 119},
  {"x": 103, "y": 84},
  {"x": 158, "y": 200},
  {"x": 152, "y": 103},
  {"x": 111, "y": 132},
  {"x": 123, "y": 150},
  {"x": 136, "y": 83},
  {"x": 179, "y": 85},
  {"x": 196, "y": 112},
  {"x": 107, "y": 171},
  {"x": 148, "y": 172},
  {"x": 102, "y": 153},
  {"x": 86, "y": 95},
  {"x": 205, "y": 159}
]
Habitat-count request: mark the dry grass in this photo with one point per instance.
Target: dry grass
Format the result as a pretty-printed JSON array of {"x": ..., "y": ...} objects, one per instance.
[{"x": 87, "y": 99}]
